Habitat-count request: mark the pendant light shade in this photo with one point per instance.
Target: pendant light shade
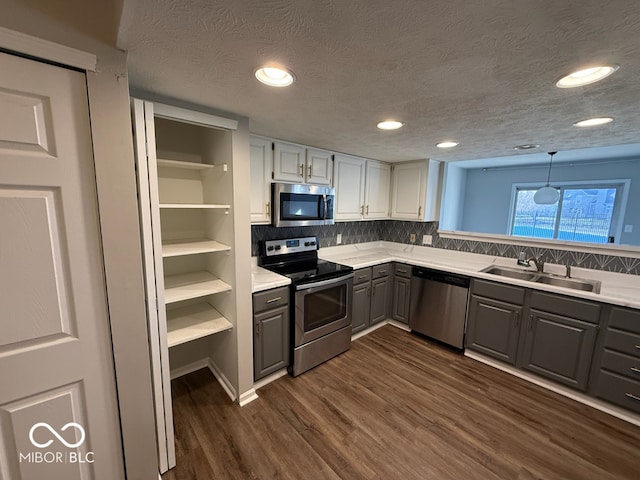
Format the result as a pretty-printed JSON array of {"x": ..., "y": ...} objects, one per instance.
[{"x": 547, "y": 195}]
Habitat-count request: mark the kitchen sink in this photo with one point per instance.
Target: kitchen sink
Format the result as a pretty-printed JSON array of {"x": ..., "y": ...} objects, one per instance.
[
  {"x": 511, "y": 272},
  {"x": 575, "y": 283},
  {"x": 545, "y": 278}
]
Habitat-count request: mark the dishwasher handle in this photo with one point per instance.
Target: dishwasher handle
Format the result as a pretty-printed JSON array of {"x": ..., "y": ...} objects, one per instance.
[{"x": 440, "y": 276}]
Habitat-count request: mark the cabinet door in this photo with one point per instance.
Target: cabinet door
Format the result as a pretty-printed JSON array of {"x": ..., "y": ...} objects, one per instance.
[
  {"x": 361, "y": 307},
  {"x": 493, "y": 328},
  {"x": 400, "y": 304},
  {"x": 380, "y": 299},
  {"x": 409, "y": 185},
  {"x": 271, "y": 341},
  {"x": 288, "y": 162},
  {"x": 349, "y": 183},
  {"x": 319, "y": 167},
  {"x": 261, "y": 165},
  {"x": 559, "y": 348},
  {"x": 377, "y": 186}
]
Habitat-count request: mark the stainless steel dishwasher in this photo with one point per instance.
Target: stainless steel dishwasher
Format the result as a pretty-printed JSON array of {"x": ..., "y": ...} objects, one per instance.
[{"x": 438, "y": 306}]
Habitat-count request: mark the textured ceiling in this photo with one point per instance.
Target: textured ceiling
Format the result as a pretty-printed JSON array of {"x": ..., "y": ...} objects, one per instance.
[{"x": 481, "y": 72}]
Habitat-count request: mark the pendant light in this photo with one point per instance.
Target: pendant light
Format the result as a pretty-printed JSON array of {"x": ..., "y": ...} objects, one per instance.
[{"x": 547, "y": 195}]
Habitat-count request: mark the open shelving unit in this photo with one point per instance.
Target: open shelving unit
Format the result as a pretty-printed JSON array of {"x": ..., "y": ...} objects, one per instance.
[{"x": 186, "y": 193}]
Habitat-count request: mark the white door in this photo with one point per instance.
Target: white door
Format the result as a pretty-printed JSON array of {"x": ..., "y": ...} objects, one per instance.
[
  {"x": 349, "y": 183},
  {"x": 58, "y": 407},
  {"x": 261, "y": 166},
  {"x": 319, "y": 167},
  {"x": 378, "y": 184},
  {"x": 288, "y": 162}
]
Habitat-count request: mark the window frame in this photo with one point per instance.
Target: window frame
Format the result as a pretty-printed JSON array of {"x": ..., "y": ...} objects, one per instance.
[{"x": 619, "y": 209}]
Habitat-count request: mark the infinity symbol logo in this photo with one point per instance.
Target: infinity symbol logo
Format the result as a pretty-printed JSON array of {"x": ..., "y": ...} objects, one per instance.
[{"x": 57, "y": 435}]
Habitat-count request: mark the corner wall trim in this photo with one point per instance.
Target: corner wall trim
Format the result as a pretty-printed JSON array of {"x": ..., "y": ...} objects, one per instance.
[
  {"x": 54, "y": 52},
  {"x": 247, "y": 397},
  {"x": 222, "y": 380}
]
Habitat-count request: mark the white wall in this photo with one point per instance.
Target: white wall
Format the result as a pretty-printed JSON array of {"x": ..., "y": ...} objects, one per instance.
[{"x": 453, "y": 196}]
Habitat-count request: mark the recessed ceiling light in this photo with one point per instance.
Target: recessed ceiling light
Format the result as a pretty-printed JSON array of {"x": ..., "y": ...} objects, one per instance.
[
  {"x": 592, "y": 122},
  {"x": 526, "y": 146},
  {"x": 586, "y": 76},
  {"x": 446, "y": 144},
  {"x": 390, "y": 125},
  {"x": 275, "y": 76}
]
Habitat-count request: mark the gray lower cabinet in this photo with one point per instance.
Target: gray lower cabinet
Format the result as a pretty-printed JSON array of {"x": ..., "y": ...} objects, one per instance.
[
  {"x": 401, "y": 292},
  {"x": 380, "y": 293},
  {"x": 493, "y": 321},
  {"x": 361, "y": 299},
  {"x": 617, "y": 377},
  {"x": 270, "y": 331}
]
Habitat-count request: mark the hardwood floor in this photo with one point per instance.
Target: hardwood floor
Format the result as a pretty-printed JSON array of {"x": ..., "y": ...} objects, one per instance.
[{"x": 396, "y": 406}]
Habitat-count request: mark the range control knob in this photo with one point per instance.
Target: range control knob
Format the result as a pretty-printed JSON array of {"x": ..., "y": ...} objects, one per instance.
[
  {"x": 278, "y": 247},
  {"x": 312, "y": 244},
  {"x": 306, "y": 244},
  {"x": 270, "y": 249}
]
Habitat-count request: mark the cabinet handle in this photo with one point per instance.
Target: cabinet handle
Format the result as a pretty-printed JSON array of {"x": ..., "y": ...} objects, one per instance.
[
  {"x": 402, "y": 271},
  {"x": 636, "y": 370},
  {"x": 638, "y": 347},
  {"x": 271, "y": 300},
  {"x": 309, "y": 167},
  {"x": 257, "y": 329},
  {"x": 301, "y": 170},
  {"x": 361, "y": 277},
  {"x": 419, "y": 210},
  {"x": 268, "y": 208},
  {"x": 382, "y": 272},
  {"x": 362, "y": 210},
  {"x": 367, "y": 210},
  {"x": 632, "y": 396}
]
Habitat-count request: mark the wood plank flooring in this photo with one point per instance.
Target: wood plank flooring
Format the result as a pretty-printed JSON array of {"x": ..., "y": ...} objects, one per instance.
[{"x": 396, "y": 406}]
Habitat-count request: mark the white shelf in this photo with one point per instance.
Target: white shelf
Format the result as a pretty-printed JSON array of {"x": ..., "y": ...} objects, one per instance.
[
  {"x": 193, "y": 205},
  {"x": 194, "y": 321},
  {"x": 184, "y": 165},
  {"x": 192, "y": 285},
  {"x": 192, "y": 247}
]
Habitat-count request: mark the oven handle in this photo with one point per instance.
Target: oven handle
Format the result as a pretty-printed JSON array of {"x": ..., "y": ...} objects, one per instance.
[{"x": 307, "y": 286}]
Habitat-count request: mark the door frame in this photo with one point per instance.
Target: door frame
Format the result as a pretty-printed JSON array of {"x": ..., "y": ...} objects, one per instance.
[{"x": 108, "y": 93}]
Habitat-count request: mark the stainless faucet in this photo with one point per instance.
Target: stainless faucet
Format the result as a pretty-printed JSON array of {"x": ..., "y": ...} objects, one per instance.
[{"x": 526, "y": 262}]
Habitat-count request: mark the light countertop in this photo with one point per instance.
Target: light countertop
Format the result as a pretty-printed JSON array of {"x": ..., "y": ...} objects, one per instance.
[{"x": 616, "y": 288}]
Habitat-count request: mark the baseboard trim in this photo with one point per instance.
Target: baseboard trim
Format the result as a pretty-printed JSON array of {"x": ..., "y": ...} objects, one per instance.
[
  {"x": 369, "y": 330},
  {"x": 189, "y": 368},
  {"x": 222, "y": 380},
  {"x": 269, "y": 378},
  {"x": 564, "y": 391},
  {"x": 247, "y": 397},
  {"x": 400, "y": 325}
]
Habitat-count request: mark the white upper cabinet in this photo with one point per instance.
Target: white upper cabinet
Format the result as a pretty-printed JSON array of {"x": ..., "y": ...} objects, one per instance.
[
  {"x": 288, "y": 162},
  {"x": 349, "y": 183},
  {"x": 362, "y": 188},
  {"x": 318, "y": 167},
  {"x": 415, "y": 190},
  {"x": 261, "y": 166},
  {"x": 378, "y": 184},
  {"x": 298, "y": 164}
]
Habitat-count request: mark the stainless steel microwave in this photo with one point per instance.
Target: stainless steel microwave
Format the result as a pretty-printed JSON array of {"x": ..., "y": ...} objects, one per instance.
[{"x": 297, "y": 205}]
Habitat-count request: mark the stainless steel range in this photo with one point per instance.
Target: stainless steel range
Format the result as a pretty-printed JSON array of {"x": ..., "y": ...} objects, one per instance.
[{"x": 321, "y": 298}]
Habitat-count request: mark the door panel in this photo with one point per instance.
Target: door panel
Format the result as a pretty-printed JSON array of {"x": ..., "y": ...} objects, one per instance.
[{"x": 56, "y": 359}]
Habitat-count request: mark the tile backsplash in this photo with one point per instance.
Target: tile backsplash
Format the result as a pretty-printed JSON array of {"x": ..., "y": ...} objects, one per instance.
[{"x": 400, "y": 231}]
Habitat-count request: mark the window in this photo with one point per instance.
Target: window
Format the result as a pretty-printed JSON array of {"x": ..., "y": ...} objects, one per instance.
[{"x": 584, "y": 213}]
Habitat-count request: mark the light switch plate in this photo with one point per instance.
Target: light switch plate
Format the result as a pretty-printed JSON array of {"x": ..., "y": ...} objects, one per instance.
[
  {"x": 339, "y": 238},
  {"x": 427, "y": 239}
]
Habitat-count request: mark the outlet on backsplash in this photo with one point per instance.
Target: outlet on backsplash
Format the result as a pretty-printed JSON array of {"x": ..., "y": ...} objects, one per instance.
[
  {"x": 427, "y": 239},
  {"x": 412, "y": 238},
  {"x": 338, "y": 239}
]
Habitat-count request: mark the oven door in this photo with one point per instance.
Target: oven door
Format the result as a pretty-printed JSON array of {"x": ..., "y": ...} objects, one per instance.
[{"x": 322, "y": 307}]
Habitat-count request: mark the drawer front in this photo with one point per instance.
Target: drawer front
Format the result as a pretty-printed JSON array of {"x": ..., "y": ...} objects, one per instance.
[
  {"x": 362, "y": 275},
  {"x": 498, "y": 291},
  {"x": 276, "y": 297},
  {"x": 622, "y": 391},
  {"x": 624, "y": 342},
  {"x": 383, "y": 270},
  {"x": 625, "y": 319},
  {"x": 567, "y": 306},
  {"x": 620, "y": 363},
  {"x": 402, "y": 270}
]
